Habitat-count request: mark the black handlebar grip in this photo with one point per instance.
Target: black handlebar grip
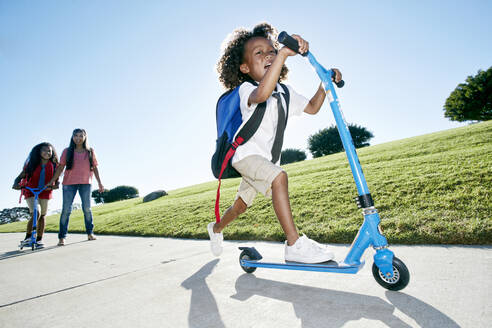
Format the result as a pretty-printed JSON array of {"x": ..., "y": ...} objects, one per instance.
[
  {"x": 289, "y": 42},
  {"x": 292, "y": 44},
  {"x": 339, "y": 84}
]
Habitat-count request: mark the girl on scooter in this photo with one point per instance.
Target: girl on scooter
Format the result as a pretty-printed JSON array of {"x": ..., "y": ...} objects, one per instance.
[{"x": 38, "y": 170}]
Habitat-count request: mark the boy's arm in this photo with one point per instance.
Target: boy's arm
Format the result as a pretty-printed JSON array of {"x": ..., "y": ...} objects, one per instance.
[
  {"x": 269, "y": 81},
  {"x": 316, "y": 102}
]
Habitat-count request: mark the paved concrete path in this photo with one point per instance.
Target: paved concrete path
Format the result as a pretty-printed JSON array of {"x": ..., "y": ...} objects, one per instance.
[{"x": 159, "y": 282}]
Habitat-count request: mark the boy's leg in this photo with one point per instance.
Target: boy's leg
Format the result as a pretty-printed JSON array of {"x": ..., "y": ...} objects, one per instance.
[
  {"x": 298, "y": 249},
  {"x": 269, "y": 179},
  {"x": 281, "y": 205},
  {"x": 238, "y": 208},
  {"x": 245, "y": 196}
]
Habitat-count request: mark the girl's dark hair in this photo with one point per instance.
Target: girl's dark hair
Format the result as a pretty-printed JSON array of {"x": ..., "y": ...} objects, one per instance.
[
  {"x": 71, "y": 149},
  {"x": 35, "y": 157},
  {"x": 228, "y": 66}
]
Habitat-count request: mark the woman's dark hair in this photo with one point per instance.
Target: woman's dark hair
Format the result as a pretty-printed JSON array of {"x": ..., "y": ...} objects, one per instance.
[
  {"x": 35, "y": 157},
  {"x": 228, "y": 66},
  {"x": 71, "y": 149}
]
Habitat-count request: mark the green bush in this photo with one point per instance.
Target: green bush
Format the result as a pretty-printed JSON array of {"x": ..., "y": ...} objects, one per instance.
[
  {"x": 327, "y": 141},
  {"x": 471, "y": 101},
  {"x": 291, "y": 155}
]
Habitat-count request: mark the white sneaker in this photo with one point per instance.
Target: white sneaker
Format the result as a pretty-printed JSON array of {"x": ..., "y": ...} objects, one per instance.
[
  {"x": 39, "y": 244},
  {"x": 306, "y": 250},
  {"x": 215, "y": 239},
  {"x": 25, "y": 242}
]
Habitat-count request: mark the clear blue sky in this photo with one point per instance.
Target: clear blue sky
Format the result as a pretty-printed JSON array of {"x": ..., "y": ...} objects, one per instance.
[{"x": 140, "y": 76}]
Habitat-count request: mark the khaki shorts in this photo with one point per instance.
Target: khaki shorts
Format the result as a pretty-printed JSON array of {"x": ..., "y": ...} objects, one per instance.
[
  {"x": 257, "y": 174},
  {"x": 43, "y": 203}
]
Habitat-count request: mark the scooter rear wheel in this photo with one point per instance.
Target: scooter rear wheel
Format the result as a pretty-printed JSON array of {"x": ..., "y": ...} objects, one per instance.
[
  {"x": 400, "y": 278},
  {"x": 245, "y": 256}
]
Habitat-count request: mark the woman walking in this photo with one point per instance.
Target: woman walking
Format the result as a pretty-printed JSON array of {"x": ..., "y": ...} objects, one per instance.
[{"x": 80, "y": 164}]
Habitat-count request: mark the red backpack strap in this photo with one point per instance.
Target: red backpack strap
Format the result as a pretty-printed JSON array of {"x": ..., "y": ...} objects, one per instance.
[
  {"x": 21, "y": 181},
  {"x": 227, "y": 158}
]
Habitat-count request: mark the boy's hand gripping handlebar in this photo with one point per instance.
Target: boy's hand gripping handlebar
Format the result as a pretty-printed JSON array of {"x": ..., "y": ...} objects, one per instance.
[{"x": 324, "y": 74}]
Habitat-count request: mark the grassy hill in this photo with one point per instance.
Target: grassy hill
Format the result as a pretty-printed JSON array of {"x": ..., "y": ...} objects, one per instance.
[{"x": 434, "y": 188}]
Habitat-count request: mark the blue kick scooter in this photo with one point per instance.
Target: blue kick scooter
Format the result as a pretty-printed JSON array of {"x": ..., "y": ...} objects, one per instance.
[
  {"x": 32, "y": 241},
  {"x": 389, "y": 271}
]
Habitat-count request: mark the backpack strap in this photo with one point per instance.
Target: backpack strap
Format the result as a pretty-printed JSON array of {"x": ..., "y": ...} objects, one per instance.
[
  {"x": 287, "y": 101},
  {"x": 283, "y": 114},
  {"x": 238, "y": 141},
  {"x": 253, "y": 123}
]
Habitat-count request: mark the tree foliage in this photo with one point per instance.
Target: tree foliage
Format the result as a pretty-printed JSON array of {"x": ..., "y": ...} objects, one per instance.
[
  {"x": 291, "y": 155},
  {"x": 98, "y": 196},
  {"x": 327, "y": 141},
  {"x": 472, "y": 100},
  {"x": 115, "y": 194}
]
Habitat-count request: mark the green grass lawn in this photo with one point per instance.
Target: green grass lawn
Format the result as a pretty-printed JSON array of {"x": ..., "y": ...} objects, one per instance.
[{"x": 434, "y": 188}]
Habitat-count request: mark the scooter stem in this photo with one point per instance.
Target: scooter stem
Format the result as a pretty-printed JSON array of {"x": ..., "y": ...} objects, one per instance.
[{"x": 348, "y": 144}]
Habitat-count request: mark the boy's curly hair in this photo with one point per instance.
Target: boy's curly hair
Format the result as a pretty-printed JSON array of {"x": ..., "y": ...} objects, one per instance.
[{"x": 228, "y": 66}]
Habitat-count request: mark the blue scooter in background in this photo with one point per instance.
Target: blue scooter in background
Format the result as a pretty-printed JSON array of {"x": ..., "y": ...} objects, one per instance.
[
  {"x": 389, "y": 271},
  {"x": 32, "y": 241}
]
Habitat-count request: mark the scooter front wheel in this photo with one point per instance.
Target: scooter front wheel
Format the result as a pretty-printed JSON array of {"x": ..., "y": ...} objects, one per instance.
[
  {"x": 400, "y": 278},
  {"x": 245, "y": 256}
]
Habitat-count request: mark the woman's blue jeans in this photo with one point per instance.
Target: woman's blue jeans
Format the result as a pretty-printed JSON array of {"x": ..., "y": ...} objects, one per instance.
[{"x": 69, "y": 192}]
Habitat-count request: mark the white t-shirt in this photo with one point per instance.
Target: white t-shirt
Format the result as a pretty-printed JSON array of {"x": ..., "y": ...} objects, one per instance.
[{"x": 261, "y": 142}]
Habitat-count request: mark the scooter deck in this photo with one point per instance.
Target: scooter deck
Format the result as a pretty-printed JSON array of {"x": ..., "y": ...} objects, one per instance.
[
  {"x": 255, "y": 260},
  {"x": 330, "y": 266},
  {"x": 29, "y": 244}
]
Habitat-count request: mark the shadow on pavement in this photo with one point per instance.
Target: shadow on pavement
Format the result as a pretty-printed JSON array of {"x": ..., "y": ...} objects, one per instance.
[
  {"x": 203, "y": 307},
  {"x": 318, "y": 307},
  {"x": 424, "y": 314},
  {"x": 28, "y": 251}
]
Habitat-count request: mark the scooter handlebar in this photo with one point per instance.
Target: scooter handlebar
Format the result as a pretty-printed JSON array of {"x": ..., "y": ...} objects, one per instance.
[
  {"x": 37, "y": 190},
  {"x": 289, "y": 42},
  {"x": 292, "y": 44}
]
